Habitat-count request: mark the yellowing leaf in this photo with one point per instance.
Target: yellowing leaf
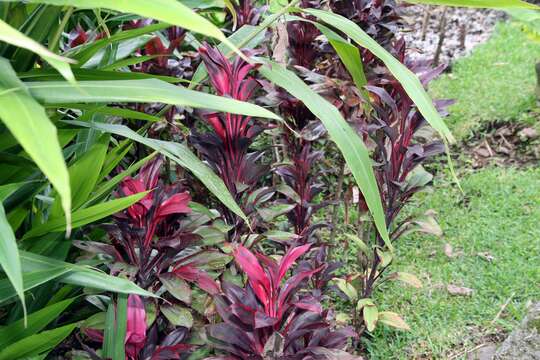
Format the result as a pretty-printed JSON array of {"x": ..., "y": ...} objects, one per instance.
[
  {"x": 371, "y": 316},
  {"x": 393, "y": 319},
  {"x": 407, "y": 278}
]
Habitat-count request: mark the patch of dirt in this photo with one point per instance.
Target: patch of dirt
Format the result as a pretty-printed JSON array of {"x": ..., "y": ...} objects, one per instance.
[
  {"x": 464, "y": 29},
  {"x": 484, "y": 344},
  {"x": 504, "y": 144}
]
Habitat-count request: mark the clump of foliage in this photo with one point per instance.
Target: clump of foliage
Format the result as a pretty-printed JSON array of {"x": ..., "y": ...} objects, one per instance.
[{"x": 145, "y": 147}]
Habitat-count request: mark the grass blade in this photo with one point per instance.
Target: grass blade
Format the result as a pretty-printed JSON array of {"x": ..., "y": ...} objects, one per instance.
[{"x": 85, "y": 216}]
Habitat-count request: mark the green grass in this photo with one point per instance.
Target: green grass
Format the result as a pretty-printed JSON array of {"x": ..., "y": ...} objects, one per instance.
[
  {"x": 496, "y": 82},
  {"x": 500, "y": 215}
]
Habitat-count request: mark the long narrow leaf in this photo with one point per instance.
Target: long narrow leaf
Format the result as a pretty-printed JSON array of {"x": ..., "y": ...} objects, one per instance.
[
  {"x": 351, "y": 146},
  {"x": 108, "y": 333},
  {"x": 493, "y": 4},
  {"x": 121, "y": 327},
  {"x": 9, "y": 257},
  {"x": 170, "y": 11},
  {"x": 36, "y": 344},
  {"x": 35, "y": 323},
  {"x": 407, "y": 78},
  {"x": 149, "y": 91},
  {"x": 181, "y": 155},
  {"x": 81, "y": 275},
  {"x": 30, "y": 280},
  {"x": 14, "y": 37},
  {"x": 27, "y": 121},
  {"x": 85, "y": 216}
]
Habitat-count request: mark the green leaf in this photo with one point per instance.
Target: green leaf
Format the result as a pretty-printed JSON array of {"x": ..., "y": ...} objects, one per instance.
[
  {"x": 385, "y": 257},
  {"x": 8, "y": 189},
  {"x": 364, "y": 302},
  {"x": 81, "y": 275},
  {"x": 493, "y": 4},
  {"x": 27, "y": 121},
  {"x": 169, "y": 11},
  {"x": 93, "y": 74},
  {"x": 36, "y": 344},
  {"x": 108, "y": 333},
  {"x": 85, "y": 216},
  {"x": 407, "y": 78},
  {"x": 149, "y": 91},
  {"x": 360, "y": 243},
  {"x": 14, "y": 37},
  {"x": 181, "y": 155},
  {"x": 271, "y": 212},
  {"x": 9, "y": 258},
  {"x": 393, "y": 319},
  {"x": 351, "y": 146},
  {"x": 347, "y": 288},
  {"x": 30, "y": 280},
  {"x": 177, "y": 287},
  {"x": 85, "y": 52},
  {"x": 371, "y": 316},
  {"x": 121, "y": 328},
  {"x": 36, "y": 322},
  {"x": 350, "y": 56},
  {"x": 177, "y": 315},
  {"x": 83, "y": 181}
]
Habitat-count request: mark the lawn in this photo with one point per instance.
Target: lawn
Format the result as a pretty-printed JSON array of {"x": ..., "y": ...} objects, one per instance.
[
  {"x": 496, "y": 82},
  {"x": 497, "y": 216}
]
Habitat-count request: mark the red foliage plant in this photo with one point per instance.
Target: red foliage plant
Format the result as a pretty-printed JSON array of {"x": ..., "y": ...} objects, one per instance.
[{"x": 271, "y": 318}]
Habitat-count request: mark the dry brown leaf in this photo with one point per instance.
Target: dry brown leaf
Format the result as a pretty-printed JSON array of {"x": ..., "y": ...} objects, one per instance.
[{"x": 459, "y": 290}]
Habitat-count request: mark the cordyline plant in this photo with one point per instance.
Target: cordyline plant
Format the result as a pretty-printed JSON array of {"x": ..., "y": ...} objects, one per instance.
[
  {"x": 154, "y": 242},
  {"x": 270, "y": 318},
  {"x": 392, "y": 127},
  {"x": 226, "y": 147}
]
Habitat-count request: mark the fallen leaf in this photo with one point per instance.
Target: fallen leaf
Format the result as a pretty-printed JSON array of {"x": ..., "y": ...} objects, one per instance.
[
  {"x": 486, "y": 256},
  {"x": 448, "y": 250},
  {"x": 528, "y": 133},
  {"x": 459, "y": 290}
]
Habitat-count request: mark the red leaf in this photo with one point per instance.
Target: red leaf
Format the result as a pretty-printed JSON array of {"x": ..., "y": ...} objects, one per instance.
[
  {"x": 255, "y": 273},
  {"x": 199, "y": 277},
  {"x": 219, "y": 69},
  {"x": 149, "y": 173},
  {"x": 136, "y": 322},
  {"x": 176, "y": 204},
  {"x": 289, "y": 258}
]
